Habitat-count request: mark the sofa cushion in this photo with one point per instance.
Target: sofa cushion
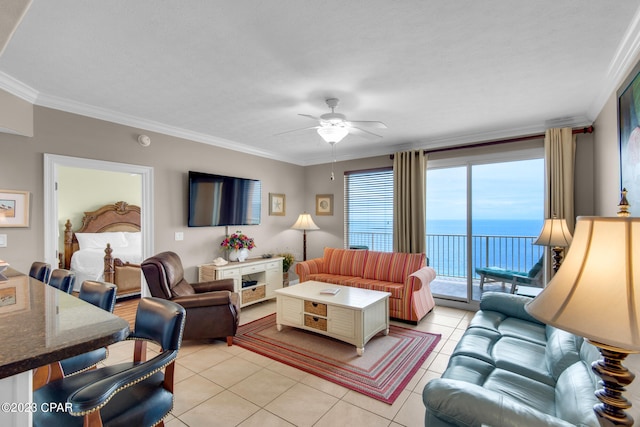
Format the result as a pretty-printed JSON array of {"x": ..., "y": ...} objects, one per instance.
[
  {"x": 574, "y": 394},
  {"x": 509, "y": 326},
  {"x": 334, "y": 279},
  {"x": 563, "y": 350},
  {"x": 344, "y": 262},
  {"x": 396, "y": 289},
  {"x": 522, "y": 357},
  {"x": 392, "y": 266},
  {"x": 525, "y": 390}
]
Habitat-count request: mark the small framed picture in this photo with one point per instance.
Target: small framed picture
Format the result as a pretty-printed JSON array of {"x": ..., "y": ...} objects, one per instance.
[
  {"x": 277, "y": 204},
  {"x": 14, "y": 208},
  {"x": 324, "y": 204}
]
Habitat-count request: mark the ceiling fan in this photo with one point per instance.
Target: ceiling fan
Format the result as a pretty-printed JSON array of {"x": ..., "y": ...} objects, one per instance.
[{"x": 333, "y": 127}]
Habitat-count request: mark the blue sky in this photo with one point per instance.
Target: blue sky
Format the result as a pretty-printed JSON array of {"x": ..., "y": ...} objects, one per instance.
[{"x": 511, "y": 190}]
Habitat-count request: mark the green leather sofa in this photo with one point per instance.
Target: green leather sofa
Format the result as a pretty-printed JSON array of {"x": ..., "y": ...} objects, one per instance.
[{"x": 508, "y": 369}]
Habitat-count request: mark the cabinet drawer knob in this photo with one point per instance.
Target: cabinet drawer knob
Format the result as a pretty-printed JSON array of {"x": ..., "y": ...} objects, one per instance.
[
  {"x": 315, "y": 319},
  {"x": 315, "y": 304}
]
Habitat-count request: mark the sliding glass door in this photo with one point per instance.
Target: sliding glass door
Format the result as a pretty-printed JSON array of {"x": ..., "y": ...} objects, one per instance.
[
  {"x": 482, "y": 214},
  {"x": 447, "y": 230}
]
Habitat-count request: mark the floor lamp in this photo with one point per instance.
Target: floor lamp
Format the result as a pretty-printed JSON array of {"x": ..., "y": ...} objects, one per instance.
[
  {"x": 594, "y": 294},
  {"x": 304, "y": 223},
  {"x": 555, "y": 233}
]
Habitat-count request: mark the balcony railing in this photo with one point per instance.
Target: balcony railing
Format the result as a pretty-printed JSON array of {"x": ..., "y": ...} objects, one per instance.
[{"x": 447, "y": 253}]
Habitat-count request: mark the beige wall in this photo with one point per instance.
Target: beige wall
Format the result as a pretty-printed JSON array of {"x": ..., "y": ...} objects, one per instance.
[
  {"x": 81, "y": 190},
  {"x": 16, "y": 114},
  {"x": 607, "y": 161},
  {"x": 61, "y": 133}
]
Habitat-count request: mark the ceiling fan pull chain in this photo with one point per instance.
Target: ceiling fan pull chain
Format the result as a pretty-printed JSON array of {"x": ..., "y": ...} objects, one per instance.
[{"x": 333, "y": 154}]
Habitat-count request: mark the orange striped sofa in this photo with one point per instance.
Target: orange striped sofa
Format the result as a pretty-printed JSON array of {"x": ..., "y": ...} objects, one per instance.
[{"x": 405, "y": 276}]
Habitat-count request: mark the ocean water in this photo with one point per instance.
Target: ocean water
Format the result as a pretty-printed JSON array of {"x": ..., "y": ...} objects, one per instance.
[
  {"x": 487, "y": 227},
  {"x": 506, "y": 243}
]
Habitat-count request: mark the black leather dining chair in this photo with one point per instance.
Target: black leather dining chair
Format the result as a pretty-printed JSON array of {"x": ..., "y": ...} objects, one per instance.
[
  {"x": 102, "y": 295},
  {"x": 136, "y": 393},
  {"x": 62, "y": 279},
  {"x": 40, "y": 271}
]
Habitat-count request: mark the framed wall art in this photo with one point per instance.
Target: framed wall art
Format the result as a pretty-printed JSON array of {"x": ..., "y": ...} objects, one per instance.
[
  {"x": 277, "y": 204},
  {"x": 14, "y": 208},
  {"x": 324, "y": 204},
  {"x": 629, "y": 138}
]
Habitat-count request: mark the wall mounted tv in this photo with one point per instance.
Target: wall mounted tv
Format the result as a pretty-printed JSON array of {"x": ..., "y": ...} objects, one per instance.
[{"x": 216, "y": 200}]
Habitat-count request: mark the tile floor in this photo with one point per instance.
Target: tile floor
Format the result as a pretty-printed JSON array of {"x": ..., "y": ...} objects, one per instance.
[{"x": 218, "y": 385}]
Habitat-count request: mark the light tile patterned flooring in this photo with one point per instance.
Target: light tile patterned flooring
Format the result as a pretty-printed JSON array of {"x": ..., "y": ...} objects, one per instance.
[{"x": 217, "y": 385}]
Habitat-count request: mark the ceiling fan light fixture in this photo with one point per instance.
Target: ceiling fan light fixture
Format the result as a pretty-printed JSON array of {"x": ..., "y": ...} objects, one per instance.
[{"x": 333, "y": 134}]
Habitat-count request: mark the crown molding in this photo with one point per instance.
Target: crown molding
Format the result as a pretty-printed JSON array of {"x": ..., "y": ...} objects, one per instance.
[
  {"x": 621, "y": 64},
  {"x": 17, "y": 88},
  {"x": 149, "y": 125}
]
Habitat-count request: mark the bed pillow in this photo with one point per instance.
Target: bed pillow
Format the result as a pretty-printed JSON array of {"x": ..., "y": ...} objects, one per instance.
[
  {"x": 133, "y": 238},
  {"x": 100, "y": 240}
]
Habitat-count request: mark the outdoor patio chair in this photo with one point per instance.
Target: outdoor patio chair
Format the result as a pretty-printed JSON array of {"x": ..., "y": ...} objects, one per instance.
[{"x": 496, "y": 274}]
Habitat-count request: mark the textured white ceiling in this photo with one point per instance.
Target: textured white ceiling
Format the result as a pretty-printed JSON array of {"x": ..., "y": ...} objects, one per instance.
[{"x": 234, "y": 74}]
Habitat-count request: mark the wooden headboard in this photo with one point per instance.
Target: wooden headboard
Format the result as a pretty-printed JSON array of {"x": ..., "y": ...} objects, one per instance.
[{"x": 120, "y": 216}]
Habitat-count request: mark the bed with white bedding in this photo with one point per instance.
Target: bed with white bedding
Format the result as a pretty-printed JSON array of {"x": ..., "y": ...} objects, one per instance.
[{"x": 108, "y": 247}]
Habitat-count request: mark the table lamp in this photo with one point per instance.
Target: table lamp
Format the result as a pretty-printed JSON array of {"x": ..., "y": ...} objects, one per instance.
[
  {"x": 595, "y": 296},
  {"x": 555, "y": 233},
  {"x": 304, "y": 223}
]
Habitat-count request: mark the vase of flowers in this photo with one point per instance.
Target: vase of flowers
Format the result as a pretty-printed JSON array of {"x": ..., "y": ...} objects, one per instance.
[{"x": 238, "y": 245}]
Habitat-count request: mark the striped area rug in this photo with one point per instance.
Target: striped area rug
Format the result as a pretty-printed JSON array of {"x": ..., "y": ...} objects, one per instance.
[{"x": 382, "y": 372}]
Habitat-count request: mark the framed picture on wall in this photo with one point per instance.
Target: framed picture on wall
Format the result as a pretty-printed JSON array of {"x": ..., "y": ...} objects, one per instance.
[
  {"x": 14, "y": 208},
  {"x": 629, "y": 138},
  {"x": 277, "y": 204},
  {"x": 324, "y": 204}
]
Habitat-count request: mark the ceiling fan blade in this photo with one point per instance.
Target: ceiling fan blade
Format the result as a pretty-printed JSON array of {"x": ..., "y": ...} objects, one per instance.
[
  {"x": 296, "y": 130},
  {"x": 361, "y": 132},
  {"x": 371, "y": 124},
  {"x": 309, "y": 116}
]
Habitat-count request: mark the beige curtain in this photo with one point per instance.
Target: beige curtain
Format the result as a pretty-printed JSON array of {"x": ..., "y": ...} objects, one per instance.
[
  {"x": 409, "y": 194},
  {"x": 559, "y": 160}
]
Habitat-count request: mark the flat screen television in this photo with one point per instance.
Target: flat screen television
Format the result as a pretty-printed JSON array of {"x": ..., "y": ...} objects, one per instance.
[{"x": 217, "y": 200}]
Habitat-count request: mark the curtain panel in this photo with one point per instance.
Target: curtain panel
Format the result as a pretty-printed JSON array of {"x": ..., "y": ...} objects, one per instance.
[
  {"x": 409, "y": 194},
  {"x": 559, "y": 160}
]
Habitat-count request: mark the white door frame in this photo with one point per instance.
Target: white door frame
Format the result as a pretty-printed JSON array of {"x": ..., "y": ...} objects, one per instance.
[{"x": 51, "y": 227}]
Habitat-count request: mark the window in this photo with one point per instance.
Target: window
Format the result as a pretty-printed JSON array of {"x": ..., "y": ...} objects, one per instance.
[{"x": 368, "y": 201}]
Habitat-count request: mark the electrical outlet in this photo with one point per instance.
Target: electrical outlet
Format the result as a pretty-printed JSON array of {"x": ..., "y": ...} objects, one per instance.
[
  {"x": 179, "y": 235},
  {"x": 3, "y": 240}
]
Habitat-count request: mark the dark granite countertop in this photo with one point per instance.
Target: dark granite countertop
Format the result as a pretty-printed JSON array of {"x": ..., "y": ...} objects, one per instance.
[{"x": 40, "y": 325}]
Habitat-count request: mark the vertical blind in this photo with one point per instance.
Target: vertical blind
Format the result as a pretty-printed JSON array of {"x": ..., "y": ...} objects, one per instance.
[{"x": 368, "y": 204}]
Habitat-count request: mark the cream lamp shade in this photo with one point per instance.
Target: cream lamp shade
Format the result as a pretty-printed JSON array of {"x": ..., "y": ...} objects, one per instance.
[
  {"x": 333, "y": 134},
  {"x": 555, "y": 233},
  {"x": 305, "y": 222},
  {"x": 595, "y": 293}
]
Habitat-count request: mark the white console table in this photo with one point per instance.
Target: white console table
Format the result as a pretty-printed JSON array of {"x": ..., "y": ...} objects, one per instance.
[{"x": 265, "y": 272}]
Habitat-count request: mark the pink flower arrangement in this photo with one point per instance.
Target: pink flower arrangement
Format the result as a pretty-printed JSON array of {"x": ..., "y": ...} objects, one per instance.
[{"x": 238, "y": 241}]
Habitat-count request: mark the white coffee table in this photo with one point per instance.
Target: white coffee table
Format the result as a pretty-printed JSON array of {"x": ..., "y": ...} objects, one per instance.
[{"x": 353, "y": 315}]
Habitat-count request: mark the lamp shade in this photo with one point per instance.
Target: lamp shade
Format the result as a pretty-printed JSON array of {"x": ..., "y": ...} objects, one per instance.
[
  {"x": 305, "y": 222},
  {"x": 595, "y": 293},
  {"x": 555, "y": 232},
  {"x": 333, "y": 134}
]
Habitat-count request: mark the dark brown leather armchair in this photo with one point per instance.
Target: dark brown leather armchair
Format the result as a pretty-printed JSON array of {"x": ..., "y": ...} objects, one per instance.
[{"x": 213, "y": 309}]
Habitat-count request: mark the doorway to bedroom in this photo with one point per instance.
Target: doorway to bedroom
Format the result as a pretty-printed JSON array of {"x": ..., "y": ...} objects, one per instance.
[{"x": 75, "y": 185}]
